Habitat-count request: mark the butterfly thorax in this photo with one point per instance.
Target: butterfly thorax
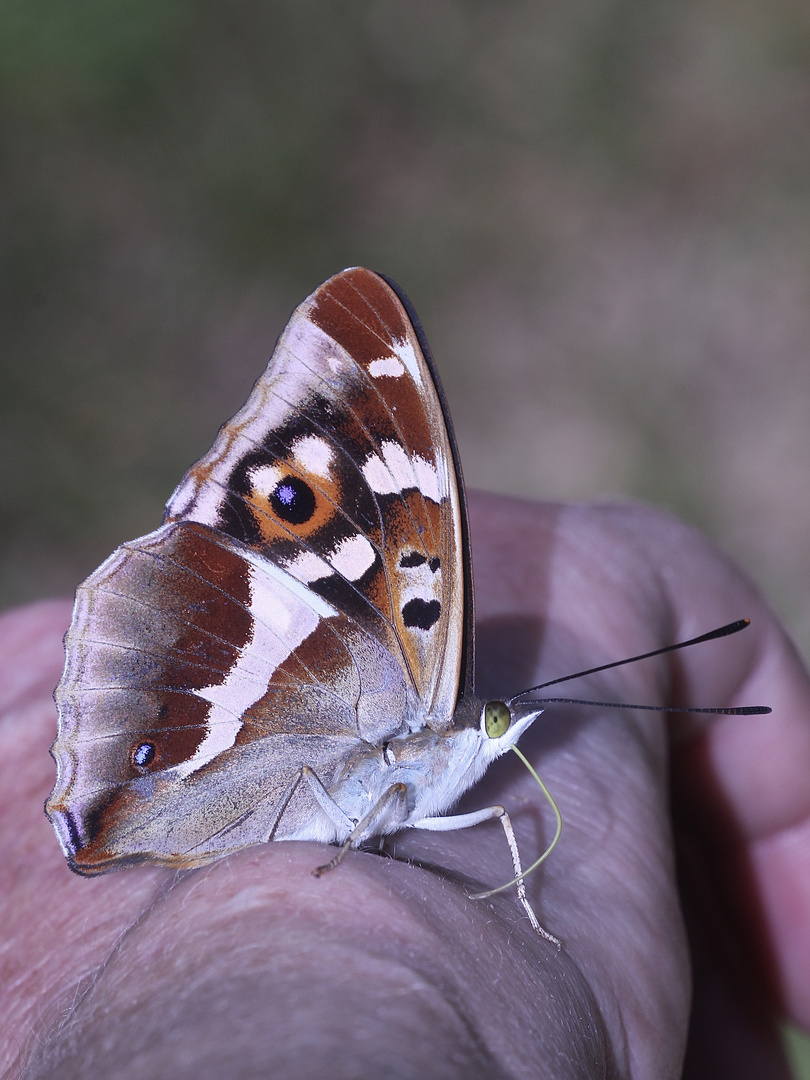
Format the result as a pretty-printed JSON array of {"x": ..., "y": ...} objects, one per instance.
[{"x": 435, "y": 768}]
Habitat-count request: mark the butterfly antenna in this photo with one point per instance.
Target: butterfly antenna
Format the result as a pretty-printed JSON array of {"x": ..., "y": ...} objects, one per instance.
[
  {"x": 741, "y": 710},
  {"x": 721, "y": 631}
]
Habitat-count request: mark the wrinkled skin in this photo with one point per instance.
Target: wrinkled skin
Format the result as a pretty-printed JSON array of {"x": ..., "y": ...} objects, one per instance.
[{"x": 251, "y": 967}]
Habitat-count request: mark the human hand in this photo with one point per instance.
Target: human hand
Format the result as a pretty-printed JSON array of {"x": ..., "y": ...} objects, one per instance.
[{"x": 252, "y": 967}]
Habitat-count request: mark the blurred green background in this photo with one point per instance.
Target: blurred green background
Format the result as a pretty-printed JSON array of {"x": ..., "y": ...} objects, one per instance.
[{"x": 601, "y": 211}]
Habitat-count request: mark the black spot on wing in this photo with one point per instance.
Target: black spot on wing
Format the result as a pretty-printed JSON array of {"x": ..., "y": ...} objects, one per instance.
[
  {"x": 413, "y": 558},
  {"x": 421, "y": 614}
]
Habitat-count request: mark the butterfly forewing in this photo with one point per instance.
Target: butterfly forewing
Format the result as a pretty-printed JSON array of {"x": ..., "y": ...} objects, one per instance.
[{"x": 333, "y": 470}]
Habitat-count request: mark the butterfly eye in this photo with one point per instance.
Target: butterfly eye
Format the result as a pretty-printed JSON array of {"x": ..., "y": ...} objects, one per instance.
[
  {"x": 143, "y": 754},
  {"x": 497, "y": 718}
]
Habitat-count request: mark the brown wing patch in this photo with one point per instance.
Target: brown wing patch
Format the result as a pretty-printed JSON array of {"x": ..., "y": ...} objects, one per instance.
[{"x": 359, "y": 311}]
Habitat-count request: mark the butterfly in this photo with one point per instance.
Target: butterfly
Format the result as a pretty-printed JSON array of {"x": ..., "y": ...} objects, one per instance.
[{"x": 290, "y": 655}]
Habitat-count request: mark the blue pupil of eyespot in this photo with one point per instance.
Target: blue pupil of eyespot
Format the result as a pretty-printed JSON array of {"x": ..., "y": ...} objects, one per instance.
[
  {"x": 143, "y": 754},
  {"x": 293, "y": 500}
]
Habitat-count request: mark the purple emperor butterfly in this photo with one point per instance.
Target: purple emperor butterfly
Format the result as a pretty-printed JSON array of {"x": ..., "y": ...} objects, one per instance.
[{"x": 290, "y": 655}]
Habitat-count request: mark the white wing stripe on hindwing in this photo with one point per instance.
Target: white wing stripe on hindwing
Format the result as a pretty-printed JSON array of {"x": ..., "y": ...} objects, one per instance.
[{"x": 278, "y": 628}]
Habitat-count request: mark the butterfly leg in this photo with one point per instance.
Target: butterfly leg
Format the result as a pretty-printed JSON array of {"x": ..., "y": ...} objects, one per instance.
[
  {"x": 341, "y": 820},
  {"x": 466, "y": 821},
  {"x": 396, "y": 791}
]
